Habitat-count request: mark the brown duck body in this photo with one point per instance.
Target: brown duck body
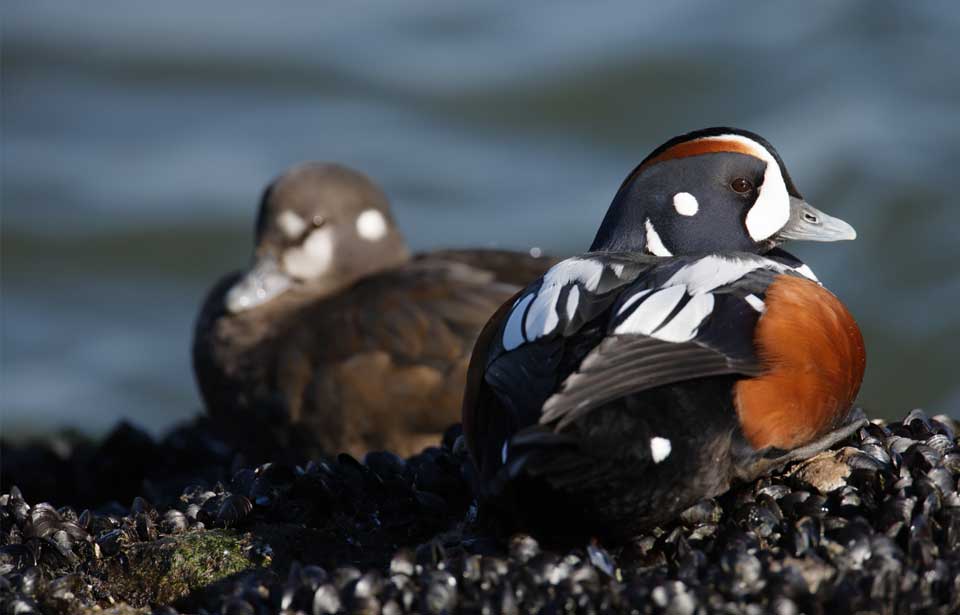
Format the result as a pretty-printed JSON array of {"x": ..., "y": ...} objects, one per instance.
[{"x": 380, "y": 364}]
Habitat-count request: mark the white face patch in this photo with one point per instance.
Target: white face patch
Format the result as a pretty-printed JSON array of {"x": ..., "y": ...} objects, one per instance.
[
  {"x": 686, "y": 204},
  {"x": 654, "y": 243},
  {"x": 371, "y": 225},
  {"x": 771, "y": 210},
  {"x": 291, "y": 224},
  {"x": 313, "y": 257},
  {"x": 659, "y": 449}
]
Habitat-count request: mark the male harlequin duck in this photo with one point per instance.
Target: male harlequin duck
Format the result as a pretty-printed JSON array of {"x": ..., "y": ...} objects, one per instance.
[
  {"x": 683, "y": 352},
  {"x": 336, "y": 339}
]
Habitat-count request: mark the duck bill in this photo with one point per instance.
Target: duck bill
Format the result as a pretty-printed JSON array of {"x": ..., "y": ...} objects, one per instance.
[
  {"x": 807, "y": 223},
  {"x": 264, "y": 281}
]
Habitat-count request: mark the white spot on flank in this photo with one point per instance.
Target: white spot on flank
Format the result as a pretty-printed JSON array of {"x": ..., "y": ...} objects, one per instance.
[
  {"x": 654, "y": 244},
  {"x": 291, "y": 224},
  {"x": 536, "y": 252},
  {"x": 807, "y": 272},
  {"x": 313, "y": 257},
  {"x": 756, "y": 303},
  {"x": 659, "y": 449},
  {"x": 686, "y": 204},
  {"x": 503, "y": 452},
  {"x": 371, "y": 225}
]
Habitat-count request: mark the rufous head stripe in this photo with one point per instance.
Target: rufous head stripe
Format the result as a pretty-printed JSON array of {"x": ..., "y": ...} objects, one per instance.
[{"x": 708, "y": 145}]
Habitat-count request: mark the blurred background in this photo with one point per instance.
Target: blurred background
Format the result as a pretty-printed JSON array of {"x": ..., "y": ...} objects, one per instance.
[{"x": 137, "y": 138}]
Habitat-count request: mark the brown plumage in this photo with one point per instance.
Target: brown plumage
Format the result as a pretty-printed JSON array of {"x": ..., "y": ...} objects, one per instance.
[
  {"x": 368, "y": 353},
  {"x": 814, "y": 360}
]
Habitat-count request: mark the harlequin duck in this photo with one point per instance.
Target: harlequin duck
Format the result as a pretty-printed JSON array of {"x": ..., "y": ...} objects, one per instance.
[
  {"x": 683, "y": 352},
  {"x": 336, "y": 338}
]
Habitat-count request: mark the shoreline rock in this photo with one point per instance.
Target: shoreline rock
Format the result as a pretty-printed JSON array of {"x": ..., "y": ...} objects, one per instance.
[{"x": 871, "y": 526}]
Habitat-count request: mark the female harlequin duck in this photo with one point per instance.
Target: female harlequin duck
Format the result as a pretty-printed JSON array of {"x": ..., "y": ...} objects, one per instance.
[
  {"x": 683, "y": 352},
  {"x": 336, "y": 339}
]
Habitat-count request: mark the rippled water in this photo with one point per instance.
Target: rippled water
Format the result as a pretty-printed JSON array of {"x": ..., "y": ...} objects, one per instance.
[{"x": 136, "y": 140}]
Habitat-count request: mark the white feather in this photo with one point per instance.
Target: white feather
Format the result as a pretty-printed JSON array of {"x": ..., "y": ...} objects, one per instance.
[
  {"x": 756, "y": 303},
  {"x": 652, "y": 312},
  {"x": 684, "y": 326},
  {"x": 513, "y": 330},
  {"x": 654, "y": 243}
]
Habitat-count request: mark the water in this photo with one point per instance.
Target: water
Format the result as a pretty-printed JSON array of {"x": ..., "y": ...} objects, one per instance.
[{"x": 136, "y": 140}]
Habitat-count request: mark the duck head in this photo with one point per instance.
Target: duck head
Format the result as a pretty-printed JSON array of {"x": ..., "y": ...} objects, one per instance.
[
  {"x": 320, "y": 227},
  {"x": 717, "y": 189}
]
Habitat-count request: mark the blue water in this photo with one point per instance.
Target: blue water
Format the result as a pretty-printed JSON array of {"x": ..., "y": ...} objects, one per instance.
[{"x": 136, "y": 140}]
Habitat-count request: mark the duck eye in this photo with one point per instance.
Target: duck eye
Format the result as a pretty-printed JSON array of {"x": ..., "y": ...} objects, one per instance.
[
  {"x": 741, "y": 185},
  {"x": 318, "y": 221}
]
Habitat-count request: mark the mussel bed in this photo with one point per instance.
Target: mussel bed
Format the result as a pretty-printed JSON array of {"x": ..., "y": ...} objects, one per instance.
[{"x": 872, "y": 526}]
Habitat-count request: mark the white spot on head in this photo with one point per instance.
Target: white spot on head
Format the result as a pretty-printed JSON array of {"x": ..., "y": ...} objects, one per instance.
[
  {"x": 536, "y": 252},
  {"x": 313, "y": 257},
  {"x": 654, "y": 243},
  {"x": 659, "y": 449},
  {"x": 291, "y": 224},
  {"x": 371, "y": 225},
  {"x": 686, "y": 204},
  {"x": 756, "y": 303}
]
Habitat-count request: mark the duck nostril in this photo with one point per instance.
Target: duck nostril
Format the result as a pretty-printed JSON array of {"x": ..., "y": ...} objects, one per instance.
[{"x": 812, "y": 219}]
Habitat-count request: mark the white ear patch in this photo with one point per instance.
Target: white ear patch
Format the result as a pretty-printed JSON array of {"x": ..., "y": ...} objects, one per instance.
[
  {"x": 371, "y": 225},
  {"x": 659, "y": 449},
  {"x": 291, "y": 224},
  {"x": 686, "y": 204},
  {"x": 654, "y": 243},
  {"x": 313, "y": 257}
]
